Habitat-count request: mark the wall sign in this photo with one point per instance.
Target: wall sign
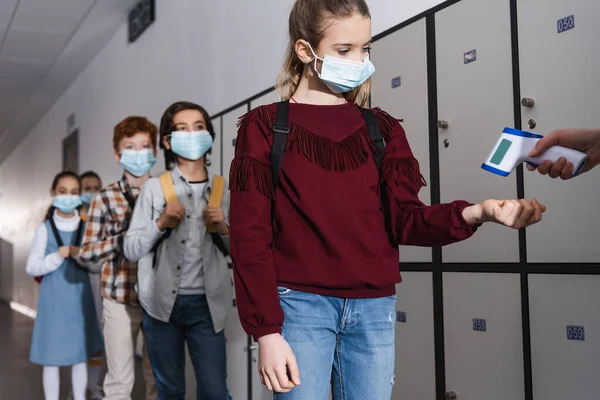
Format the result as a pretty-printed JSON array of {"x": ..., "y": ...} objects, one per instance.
[
  {"x": 396, "y": 82},
  {"x": 140, "y": 18},
  {"x": 70, "y": 147},
  {"x": 400, "y": 316},
  {"x": 565, "y": 24},
  {"x": 470, "y": 56},
  {"x": 575, "y": 332},
  {"x": 479, "y": 325},
  {"x": 70, "y": 123}
]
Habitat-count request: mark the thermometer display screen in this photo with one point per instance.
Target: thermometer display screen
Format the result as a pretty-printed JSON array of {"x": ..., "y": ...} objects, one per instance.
[{"x": 501, "y": 151}]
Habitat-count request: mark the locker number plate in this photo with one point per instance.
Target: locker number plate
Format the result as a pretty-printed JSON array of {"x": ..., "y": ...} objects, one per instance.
[
  {"x": 575, "y": 332},
  {"x": 565, "y": 24},
  {"x": 396, "y": 82},
  {"x": 479, "y": 325},
  {"x": 400, "y": 316},
  {"x": 470, "y": 56}
]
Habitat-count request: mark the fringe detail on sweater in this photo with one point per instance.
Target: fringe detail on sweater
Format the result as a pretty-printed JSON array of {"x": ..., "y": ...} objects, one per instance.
[
  {"x": 387, "y": 123},
  {"x": 242, "y": 170},
  {"x": 345, "y": 155},
  {"x": 393, "y": 168},
  {"x": 258, "y": 113}
]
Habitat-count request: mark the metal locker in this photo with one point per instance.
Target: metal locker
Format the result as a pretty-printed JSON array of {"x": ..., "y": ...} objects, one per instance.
[
  {"x": 399, "y": 86},
  {"x": 475, "y": 103},
  {"x": 230, "y": 121},
  {"x": 559, "y": 59},
  {"x": 564, "y": 336},
  {"x": 215, "y": 156},
  {"x": 483, "y": 336},
  {"x": 415, "y": 358}
]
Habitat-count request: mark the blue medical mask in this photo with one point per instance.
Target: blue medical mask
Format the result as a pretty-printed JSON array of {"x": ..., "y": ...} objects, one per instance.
[
  {"x": 87, "y": 197},
  {"x": 137, "y": 162},
  {"x": 66, "y": 203},
  {"x": 191, "y": 145},
  {"x": 341, "y": 75}
]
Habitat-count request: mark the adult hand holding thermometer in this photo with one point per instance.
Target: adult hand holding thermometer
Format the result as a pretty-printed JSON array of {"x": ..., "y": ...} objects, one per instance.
[{"x": 514, "y": 147}]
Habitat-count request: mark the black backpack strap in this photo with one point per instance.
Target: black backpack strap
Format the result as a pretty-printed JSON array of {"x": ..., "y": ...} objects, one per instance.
[
  {"x": 55, "y": 232},
  {"x": 128, "y": 197},
  {"x": 218, "y": 241},
  {"x": 161, "y": 239},
  {"x": 280, "y": 132},
  {"x": 79, "y": 234},
  {"x": 375, "y": 134}
]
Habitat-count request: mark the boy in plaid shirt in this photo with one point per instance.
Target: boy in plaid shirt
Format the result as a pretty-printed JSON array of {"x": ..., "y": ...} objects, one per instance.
[{"x": 134, "y": 144}]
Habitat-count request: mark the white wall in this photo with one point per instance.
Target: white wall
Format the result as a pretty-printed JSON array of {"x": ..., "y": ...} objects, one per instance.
[{"x": 214, "y": 53}]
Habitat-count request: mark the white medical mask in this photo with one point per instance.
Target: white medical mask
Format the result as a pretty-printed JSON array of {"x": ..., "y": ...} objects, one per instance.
[
  {"x": 137, "y": 162},
  {"x": 191, "y": 145},
  {"x": 341, "y": 75},
  {"x": 66, "y": 203}
]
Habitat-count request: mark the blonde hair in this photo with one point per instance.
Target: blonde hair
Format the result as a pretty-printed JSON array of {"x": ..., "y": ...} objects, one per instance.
[{"x": 308, "y": 21}]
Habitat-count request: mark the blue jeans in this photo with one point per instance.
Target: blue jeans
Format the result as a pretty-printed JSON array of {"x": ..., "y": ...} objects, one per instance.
[
  {"x": 346, "y": 345},
  {"x": 190, "y": 323}
]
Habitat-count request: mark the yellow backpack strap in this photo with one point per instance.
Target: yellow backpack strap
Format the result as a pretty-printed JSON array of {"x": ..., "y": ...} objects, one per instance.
[
  {"x": 216, "y": 197},
  {"x": 168, "y": 189}
]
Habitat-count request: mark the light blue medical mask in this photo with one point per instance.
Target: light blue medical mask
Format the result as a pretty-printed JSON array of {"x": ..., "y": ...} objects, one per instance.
[
  {"x": 137, "y": 162},
  {"x": 87, "y": 197},
  {"x": 191, "y": 145},
  {"x": 341, "y": 75},
  {"x": 66, "y": 203}
]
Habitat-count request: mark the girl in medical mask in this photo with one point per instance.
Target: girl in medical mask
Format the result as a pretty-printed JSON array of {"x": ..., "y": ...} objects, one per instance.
[
  {"x": 316, "y": 255},
  {"x": 183, "y": 280},
  {"x": 66, "y": 330}
]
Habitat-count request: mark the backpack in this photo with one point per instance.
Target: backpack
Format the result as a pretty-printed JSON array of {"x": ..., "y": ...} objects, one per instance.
[{"x": 168, "y": 189}]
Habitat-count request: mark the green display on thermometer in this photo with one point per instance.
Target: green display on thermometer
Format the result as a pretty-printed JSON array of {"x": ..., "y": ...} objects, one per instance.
[{"x": 501, "y": 151}]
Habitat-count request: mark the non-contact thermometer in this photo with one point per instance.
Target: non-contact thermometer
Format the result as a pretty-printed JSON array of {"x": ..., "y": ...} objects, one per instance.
[{"x": 514, "y": 146}]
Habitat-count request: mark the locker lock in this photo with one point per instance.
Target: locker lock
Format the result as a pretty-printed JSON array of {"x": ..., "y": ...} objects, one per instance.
[
  {"x": 443, "y": 124},
  {"x": 446, "y": 143},
  {"x": 531, "y": 123},
  {"x": 527, "y": 102},
  {"x": 451, "y": 395}
]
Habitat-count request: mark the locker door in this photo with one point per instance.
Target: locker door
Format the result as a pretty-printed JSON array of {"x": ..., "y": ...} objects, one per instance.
[
  {"x": 474, "y": 75},
  {"x": 400, "y": 87},
  {"x": 259, "y": 391},
  {"x": 215, "y": 156},
  {"x": 237, "y": 356},
  {"x": 560, "y": 72},
  {"x": 483, "y": 336},
  {"x": 229, "y": 134},
  {"x": 564, "y": 336},
  {"x": 415, "y": 358}
]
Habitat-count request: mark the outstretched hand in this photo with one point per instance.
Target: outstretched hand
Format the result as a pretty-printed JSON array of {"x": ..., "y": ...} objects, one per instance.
[{"x": 512, "y": 213}]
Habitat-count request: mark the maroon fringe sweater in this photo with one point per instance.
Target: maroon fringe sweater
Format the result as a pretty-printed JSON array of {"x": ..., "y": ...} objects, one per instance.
[{"x": 330, "y": 234}]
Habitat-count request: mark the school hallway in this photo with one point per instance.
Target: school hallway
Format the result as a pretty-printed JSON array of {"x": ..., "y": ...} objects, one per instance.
[{"x": 19, "y": 378}]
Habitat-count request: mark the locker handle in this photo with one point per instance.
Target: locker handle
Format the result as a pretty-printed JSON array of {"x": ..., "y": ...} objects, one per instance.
[
  {"x": 252, "y": 348},
  {"x": 451, "y": 395},
  {"x": 528, "y": 102},
  {"x": 443, "y": 124}
]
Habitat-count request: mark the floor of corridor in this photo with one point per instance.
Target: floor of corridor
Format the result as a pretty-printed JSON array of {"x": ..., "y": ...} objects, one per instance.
[{"x": 19, "y": 378}]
